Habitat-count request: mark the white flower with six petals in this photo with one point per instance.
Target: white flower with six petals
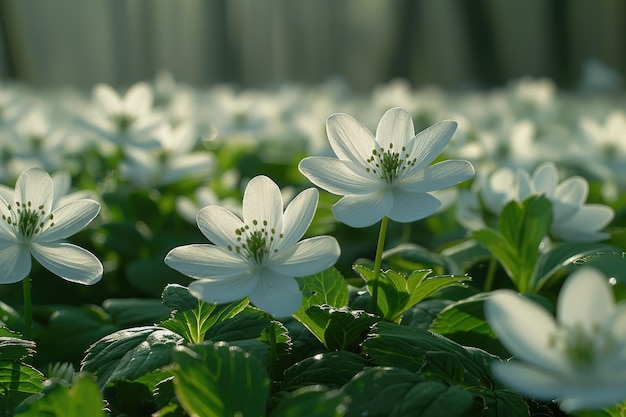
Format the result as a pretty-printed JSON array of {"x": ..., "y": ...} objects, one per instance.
[
  {"x": 257, "y": 256},
  {"x": 386, "y": 175},
  {"x": 579, "y": 359},
  {"x": 31, "y": 225}
]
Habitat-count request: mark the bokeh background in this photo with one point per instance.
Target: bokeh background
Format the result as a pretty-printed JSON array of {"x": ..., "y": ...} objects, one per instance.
[{"x": 257, "y": 43}]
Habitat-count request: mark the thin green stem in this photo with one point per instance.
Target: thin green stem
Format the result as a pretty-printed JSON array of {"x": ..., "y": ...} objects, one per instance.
[
  {"x": 273, "y": 349},
  {"x": 491, "y": 272},
  {"x": 378, "y": 260},
  {"x": 28, "y": 309}
]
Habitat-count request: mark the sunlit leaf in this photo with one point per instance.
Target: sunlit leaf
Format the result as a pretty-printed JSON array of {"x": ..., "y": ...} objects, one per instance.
[
  {"x": 130, "y": 353},
  {"x": 215, "y": 380},
  {"x": 81, "y": 399}
]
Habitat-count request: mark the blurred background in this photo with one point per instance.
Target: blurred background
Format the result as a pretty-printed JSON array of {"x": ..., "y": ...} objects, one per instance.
[{"x": 452, "y": 43}]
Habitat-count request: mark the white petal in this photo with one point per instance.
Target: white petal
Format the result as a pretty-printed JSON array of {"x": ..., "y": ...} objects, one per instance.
[
  {"x": 226, "y": 290},
  {"x": 34, "y": 186},
  {"x": 70, "y": 262},
  {"x": 339, "y": 177},
  {"x": 138, "y": 98},
  {"x": 277, "y": 295},
  {"x": 6, "y": 231},
  {"x": 499, "y": 189},
  {"x": 349, "y": 139},
  {"x": 545, "y": 178},
  {"x": 15, "y": 263},
  {"x": 308, "y": 257},
  {"x": 363, "y": 210},
  {"x": 107, "y": 98},
  {"x": 585, "y": 225},
  {"x": 572, "y": 190},
  {"x": 6, "y": 193},
  {"x": 69, "y": 219},
  {"x": 219, "y": 225},
  {"x": 298, "y": 216},
  {"x": 528, "y": 380},
  {"x": 409, "y": 207},
  {"x": 262, "y": 201},
  {"x": 585, "y": 300},
  {"x": 395, "y": 127},
  {"x": 525, "y": 329},
  {"x": 429, "y": 143},
  {"x": 593, "y": 396},
  {"x": 206, "y": 261},
  {"x": 438, "y": 176}
]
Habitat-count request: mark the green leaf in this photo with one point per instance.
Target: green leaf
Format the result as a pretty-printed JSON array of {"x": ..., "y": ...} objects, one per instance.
[
  {"x": 393, "y": 392},
  {"x": 563, "y": 257},
  {"x": 410, "y": 257},
  {"x": 443, "y": 365},
  {"x": 397, "y": 293},
  {"x": 79, "y": 400},
  {"x": 377, "y": 392},
  {"x": 325, "y": 288},
  {"x": 250, "y": 324},
  {"x": 501, "y": 403},
  {"x": 130, "y": 353},
  {"x": 435, "y": 399},
  {"x": 20, "y": 377},
  {"x": 332, "y": 369},
  {"x": 312, "y": 401},
  {"x": 339, "y": 328},
  {"x": 405, "y": 347},
  {"x": 13, "y": 348},
  {"x": 177, "y": 297},
  {"x": 465, "y": 323},
  {"x": 194, "y": 323},
  {"x": 216, "y": 380},
  {"x": 522, "y": 227}
]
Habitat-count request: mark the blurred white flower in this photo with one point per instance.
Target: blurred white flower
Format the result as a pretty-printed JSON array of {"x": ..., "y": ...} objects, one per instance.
[
  {"x": 579, "y": 359},
  {"x": 572, "y": 219},
  {"x": 127, "y": 120},
  {"x": 203, "y": 197},
  {"x": 387, "y": 175},
  {"x": 173, "y": 160},
  {"x": 259, "y": 255},
  {"x": 31, "y": 225}
]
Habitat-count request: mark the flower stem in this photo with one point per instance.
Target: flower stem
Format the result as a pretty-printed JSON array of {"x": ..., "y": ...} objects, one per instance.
[
  {"x": 378, "y": 260},
  {"x": 28, "y": 310},
  {"x": 273, "y": 349},
  {"x": 491, "y": 272}
]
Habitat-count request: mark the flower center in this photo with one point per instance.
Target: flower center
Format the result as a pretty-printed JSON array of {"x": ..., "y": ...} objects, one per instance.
[
  {"x": 123, "y": 121},
  {"x": 26, "y": 220},
  {"x": 581, "y": 347},
  {"x": 389, "y": 164},
  {"x": 257, "y": 242}
]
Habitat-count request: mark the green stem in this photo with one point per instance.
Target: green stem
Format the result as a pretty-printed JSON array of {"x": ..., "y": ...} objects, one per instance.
[
  {"x": 28, "y": 310},
  {"x": 378, "y": 260},
  {"x": 491, "y": 272},
  {"x": 273, "y": 349}
]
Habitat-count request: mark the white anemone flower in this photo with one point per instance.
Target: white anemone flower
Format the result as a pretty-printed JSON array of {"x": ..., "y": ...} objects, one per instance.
[
  {"x": 127, "y": 120},
  {"x": 31, "y": 225},
  {"x": 572, "y": 219},
  {"x": 386, "y": 175},
  {"x": 579, "y": 358},
  {"x": 257, "y": 256}
]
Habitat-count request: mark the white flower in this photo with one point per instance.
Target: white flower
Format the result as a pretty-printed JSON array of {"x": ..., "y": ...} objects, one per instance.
[
  {"x": 258, "y": 256},
  {"x": 30, "y": 225},
  {"x": 127, "y": 120},
  {"x": 572, "y": 219},
  {"x": 387, "y": 175},
  {"x": 174, "y": 159},
  {"x": 579, "y": 359}
]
